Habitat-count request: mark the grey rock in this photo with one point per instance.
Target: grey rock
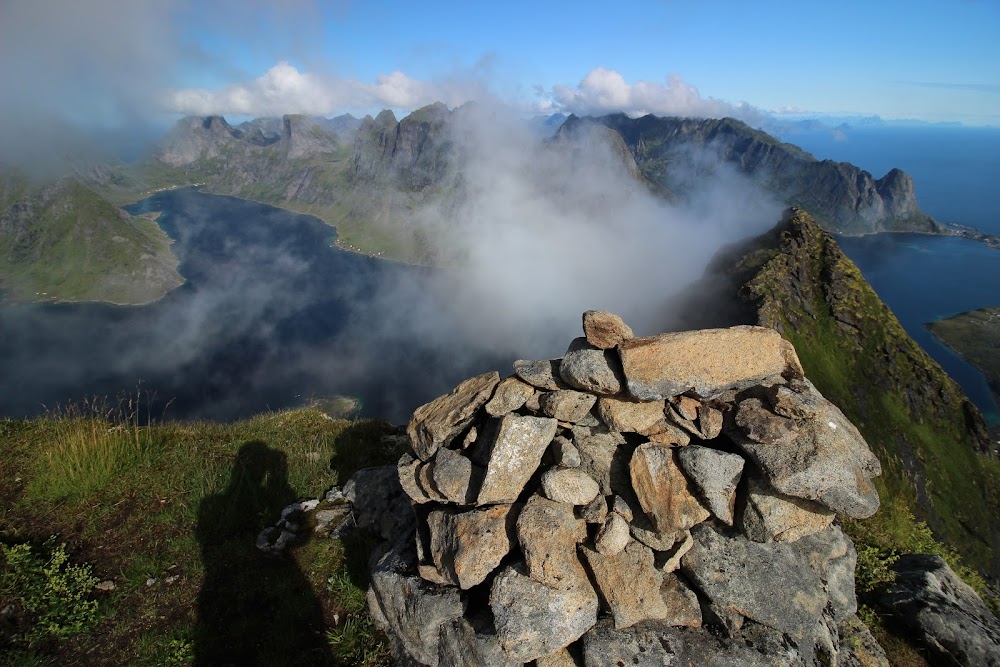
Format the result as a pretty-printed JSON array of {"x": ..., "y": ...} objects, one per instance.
[
  {"x": 565, "y": 453},
  {"x": 715, "y": 475},
  {"x": 603, "y": 457},
  {"x": 628, "y": 583},
  {"x": 753, "y": 580},
  {"x": 328, "y": 519},
  {"x": 534, "y": 403},
  {"x": 942, "y": 611},
  {"x": 515, "y": 445},
  {"x": 548, "y": 533},
  {"x": 452, "y": 474},
  {"x": 461, "y": 645},
  {"x": 534, "y": 620},
  {"x": 613, "y": 537},
  {"x": 683, "y": 608},
  {"x": 509, "y": 395},
  {"x": 596, "y": 511},
  {"x": 769, "y": 516},
  {"x": 830, "y": 462},
  {"x": 710, "y": 421},
  {"x": 567, "y": 405},
  {"x": 569, "y": 485},
  {"x": 378, "y": 503},
  {"x": 620, "y": 506},
  {"x": 543, "y": 374},
  {"x": 408, "y": 469},
  {"x": 587, "y": 368},
  {"x": 467, "y": 546},
  {"x": 704, "y": 363},
  {"x": 657, "y": 644},
  {"x": 761, "y": 425},
  {"x": 436, "y": 424},
  {"x": 629, "y": 416},
  {"x": 414, "y": 610},
  {"x": 605, "y": 330}
]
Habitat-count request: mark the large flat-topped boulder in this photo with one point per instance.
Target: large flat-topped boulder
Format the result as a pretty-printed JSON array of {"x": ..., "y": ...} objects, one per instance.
[{"x": 703, "y": 363}]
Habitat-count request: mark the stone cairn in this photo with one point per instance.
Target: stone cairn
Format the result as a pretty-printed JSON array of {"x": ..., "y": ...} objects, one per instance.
[{"x": 640, "y": 501}]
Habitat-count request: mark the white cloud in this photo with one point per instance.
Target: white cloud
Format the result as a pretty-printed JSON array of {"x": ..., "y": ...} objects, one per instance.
[
  {"x": 606, "y": 91},
  {"x": 284, "y": 89}
]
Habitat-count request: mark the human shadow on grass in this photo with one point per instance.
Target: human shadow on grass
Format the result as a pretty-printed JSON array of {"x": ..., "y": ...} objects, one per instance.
[{"x": 253, "y": 609}]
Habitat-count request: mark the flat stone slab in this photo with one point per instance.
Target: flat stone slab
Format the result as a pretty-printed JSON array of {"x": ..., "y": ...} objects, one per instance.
[
  {"x": 704, "y": 363},
  {"x": 515, "y": 445},
  {"x": 437, "y": 423}
]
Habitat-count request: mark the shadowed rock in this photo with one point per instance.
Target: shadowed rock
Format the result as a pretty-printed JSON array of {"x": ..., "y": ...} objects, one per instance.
[{"x": 436, "y": 424}]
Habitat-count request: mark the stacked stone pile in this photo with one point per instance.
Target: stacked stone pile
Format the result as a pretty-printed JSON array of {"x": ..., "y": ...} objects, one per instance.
[{"x": 650, "y": 501}]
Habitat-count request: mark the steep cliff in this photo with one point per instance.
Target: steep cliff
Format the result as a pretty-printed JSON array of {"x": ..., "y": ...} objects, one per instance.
[
  {"x": 674, "y": 152},
  {"x": 932, "y": 441}
]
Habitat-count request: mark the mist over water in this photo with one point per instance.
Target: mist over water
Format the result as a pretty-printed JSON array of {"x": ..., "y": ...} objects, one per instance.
[{"x": 272, "y": 315}]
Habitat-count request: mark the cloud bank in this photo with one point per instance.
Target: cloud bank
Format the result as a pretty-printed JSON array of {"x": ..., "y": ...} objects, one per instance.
[
  {"x": 606, "y": 91},
  {"x": 284, "y": 89}
]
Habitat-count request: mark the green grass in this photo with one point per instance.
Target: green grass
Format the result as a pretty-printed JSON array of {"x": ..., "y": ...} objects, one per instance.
[{"x": 170, "y": 513}]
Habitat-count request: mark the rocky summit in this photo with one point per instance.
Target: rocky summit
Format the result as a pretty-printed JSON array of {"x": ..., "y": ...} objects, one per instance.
[{"x": 640, "y": 501}]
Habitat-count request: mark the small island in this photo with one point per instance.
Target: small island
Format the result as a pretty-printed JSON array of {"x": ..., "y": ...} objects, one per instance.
[{"x": 975, "y": 335}]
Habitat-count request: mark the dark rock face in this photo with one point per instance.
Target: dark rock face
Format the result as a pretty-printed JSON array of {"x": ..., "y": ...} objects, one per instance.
[
  {"x": 929, "y": 600},
  {"x": 845, "y": 199},
  {"x": 570, "y": 519}
]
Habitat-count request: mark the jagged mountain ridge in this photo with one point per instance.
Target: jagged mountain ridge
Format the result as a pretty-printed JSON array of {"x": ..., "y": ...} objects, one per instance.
[
  {"x": 844, "y": 199},
  {"x": 935, "y": 449}
]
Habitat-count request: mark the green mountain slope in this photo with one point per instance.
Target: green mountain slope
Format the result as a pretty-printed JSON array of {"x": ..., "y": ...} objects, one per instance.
[
  {"x": 976, "y": 336},
  {"x": 66, "y": 242},
  {"x": 931, "y": 440}
]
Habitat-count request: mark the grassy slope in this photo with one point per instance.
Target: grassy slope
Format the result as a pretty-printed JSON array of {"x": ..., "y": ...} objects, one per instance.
[
  {"x": 976, "y": 336},
  {"x": 74, "y": 245},
  {"x": 135, "y": 501},
  {"x": 924, "y": 430}
]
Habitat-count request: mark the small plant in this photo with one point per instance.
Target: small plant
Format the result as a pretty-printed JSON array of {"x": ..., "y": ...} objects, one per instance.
[{"x": 54, "y": 593}]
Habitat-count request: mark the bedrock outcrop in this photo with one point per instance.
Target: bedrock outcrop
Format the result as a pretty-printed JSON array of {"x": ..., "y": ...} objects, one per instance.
[{"x": 654, "y": 501}]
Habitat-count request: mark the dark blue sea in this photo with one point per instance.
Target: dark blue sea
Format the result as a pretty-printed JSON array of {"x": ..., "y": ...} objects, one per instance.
[{"x": 923, "y": 278}]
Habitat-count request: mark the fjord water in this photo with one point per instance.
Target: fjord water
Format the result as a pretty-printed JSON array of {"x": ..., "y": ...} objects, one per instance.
[
  {"x": 270, "y": 316},
  {"x": 925, "y": 278}
]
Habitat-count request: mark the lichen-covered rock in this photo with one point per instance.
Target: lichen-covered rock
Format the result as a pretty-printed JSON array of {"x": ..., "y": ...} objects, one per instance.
[
  {"x": 436, "y": 424},
  {"x": 413, "y": 610},
  {"x": 947, "y": 616},
  {"x": 613, "y": 537},
  {"x": 629, "y": 416},
  {"x": 548, "y": 533},
  {"x": 515, "y": 445},
  {"x": 509, "y": 395},
  {"x": 533, "y": 620},
  {"x": 567, "y": 405},
  {"x": 605, "y": 330},
  {"x": 587, "y": 368},
  {"x": 704, "y": 363},
  {"x": 468, "y": 546},
  {"x": 628, "y": 583},
  {"x": 569, "y": 485},
  {"x": 754, "y": 580},
  {"x": 830, "y": 461},
  {"x": 663, "y": 490},
  {"x": 769, "y": 516},
  {"x": 543, "y": 374},
  {"x": 715, "y": 475}
]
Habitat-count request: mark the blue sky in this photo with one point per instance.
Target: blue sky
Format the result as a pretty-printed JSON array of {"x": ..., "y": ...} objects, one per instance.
[{"x": 923, "y": 59}]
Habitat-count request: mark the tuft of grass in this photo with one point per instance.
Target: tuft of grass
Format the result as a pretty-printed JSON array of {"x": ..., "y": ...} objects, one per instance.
[{"x": 164, "y": 509}]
